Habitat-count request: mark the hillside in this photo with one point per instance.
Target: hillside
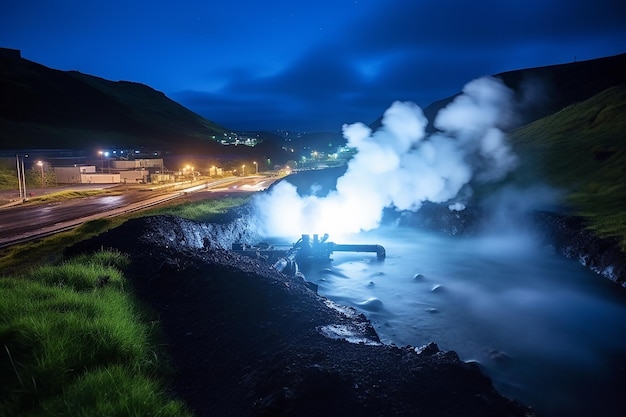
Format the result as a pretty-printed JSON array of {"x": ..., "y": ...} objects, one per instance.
[
  {"x": 545, "y": 90},
  {"x": 571, "y": 134},
  {"x": 46, "y": 108},
  {"x": 582, "y": 150}
]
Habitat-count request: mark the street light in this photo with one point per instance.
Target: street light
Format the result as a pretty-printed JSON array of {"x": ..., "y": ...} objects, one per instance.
[
  {"x": 243, "y": 170},
  {"x": 256, "y": 168},
  {"x": 101, "y": 160},
  {"x": 186, "y": 169},
  {"x": 40, "y": 163}
]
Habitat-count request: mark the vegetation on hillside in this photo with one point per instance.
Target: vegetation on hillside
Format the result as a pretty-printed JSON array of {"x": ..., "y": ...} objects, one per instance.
[
  {"x": 74, "y": 343},
  {"x": 44, "y": 108},
  {"x": 582, "y": 150},
  {"x": 147, "y": 105}
]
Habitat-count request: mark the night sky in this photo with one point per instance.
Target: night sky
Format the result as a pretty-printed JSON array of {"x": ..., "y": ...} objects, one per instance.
[{"x": 308, "y": 65}]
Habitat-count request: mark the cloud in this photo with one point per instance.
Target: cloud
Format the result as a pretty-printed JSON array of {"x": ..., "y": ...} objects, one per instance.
[
  {"x": 318, "y": 92},
  {"x": 417, "y": 51}
]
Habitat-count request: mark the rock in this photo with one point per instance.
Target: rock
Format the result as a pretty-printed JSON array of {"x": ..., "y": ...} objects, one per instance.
[
  {"x": 372, "y": 304},
  {"x": 570, "y": 237},
  {"x": 429, "y": 349},
  {"x": 567, "y": 233},
  {"x": 437, "y": 288}
]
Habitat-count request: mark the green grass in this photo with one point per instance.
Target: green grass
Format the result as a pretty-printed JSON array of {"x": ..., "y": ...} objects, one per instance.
[
  {"x": 71, "y": 194},
  {"x": 203, "y": 211},
  {"x": 113, "y": 391},
  {"x": 49, "y": 250},
  {"x": 582, "y": 150},
  {"x": 75, "y": 344}
]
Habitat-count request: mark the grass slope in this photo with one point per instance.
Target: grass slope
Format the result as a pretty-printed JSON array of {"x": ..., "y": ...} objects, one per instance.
[
  {"x": 75, "y": 344},
  {"x": 582, "y": 150}
]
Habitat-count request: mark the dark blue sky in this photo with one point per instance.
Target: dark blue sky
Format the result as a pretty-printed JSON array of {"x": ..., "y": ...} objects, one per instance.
[{"x": 308, "y": 65}]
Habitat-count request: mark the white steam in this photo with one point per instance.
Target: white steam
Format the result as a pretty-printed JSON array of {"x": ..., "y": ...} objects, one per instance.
[{"x": 400, "y": 166}]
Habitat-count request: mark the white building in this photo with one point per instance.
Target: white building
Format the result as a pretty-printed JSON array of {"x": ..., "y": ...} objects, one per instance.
[
  {"x": 84, "y": 174},
  {"x": 127, "y": 172}
]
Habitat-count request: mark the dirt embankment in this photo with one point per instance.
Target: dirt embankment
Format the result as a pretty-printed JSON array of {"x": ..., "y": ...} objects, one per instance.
[{"x": 248, "y": 341}]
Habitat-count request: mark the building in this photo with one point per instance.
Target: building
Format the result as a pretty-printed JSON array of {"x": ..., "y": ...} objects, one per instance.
[
  {"x": 139, "y": 170},
  {"x": 84, "y": 174}
]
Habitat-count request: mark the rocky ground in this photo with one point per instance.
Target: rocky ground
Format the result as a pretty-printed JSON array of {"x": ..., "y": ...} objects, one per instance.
[
  {"x": 246, "y": 340},
  {"x": 566, "y": 233}
]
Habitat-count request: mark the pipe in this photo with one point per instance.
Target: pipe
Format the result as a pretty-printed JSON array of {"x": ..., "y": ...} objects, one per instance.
[{"x": 380, "y": 250}]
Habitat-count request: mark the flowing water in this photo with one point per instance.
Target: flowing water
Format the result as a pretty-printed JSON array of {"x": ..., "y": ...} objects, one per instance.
[{"x": 548, "y": 331}]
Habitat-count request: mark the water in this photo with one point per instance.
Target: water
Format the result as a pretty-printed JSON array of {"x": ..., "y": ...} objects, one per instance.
[{"x": 548, "y": 331}]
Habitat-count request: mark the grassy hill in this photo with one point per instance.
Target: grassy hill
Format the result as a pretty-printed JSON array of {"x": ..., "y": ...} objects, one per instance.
[
  {"x": 582, "y": 150},
  {"x": 47, "y": 108},
  {"x": 546, "y": 90}
]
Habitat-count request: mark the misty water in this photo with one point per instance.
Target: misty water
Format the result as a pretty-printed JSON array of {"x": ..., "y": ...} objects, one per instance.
[{"x": 547, "y": 330}]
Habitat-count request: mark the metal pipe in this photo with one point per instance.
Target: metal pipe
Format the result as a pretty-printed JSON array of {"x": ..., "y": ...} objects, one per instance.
[{"x": 380, "y": 250}]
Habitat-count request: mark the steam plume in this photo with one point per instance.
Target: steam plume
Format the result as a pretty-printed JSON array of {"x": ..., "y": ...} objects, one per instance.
[{"x": 400, "y": 166}]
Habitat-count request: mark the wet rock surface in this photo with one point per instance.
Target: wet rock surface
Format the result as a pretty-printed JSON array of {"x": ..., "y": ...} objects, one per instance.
[
  {"x": 246, "y": 340},
  {"x": 568, "y": 235}
]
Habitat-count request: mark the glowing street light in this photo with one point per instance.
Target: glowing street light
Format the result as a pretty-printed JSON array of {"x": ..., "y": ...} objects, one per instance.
[
  {"x": 187, "y": 169},
  {"x": 101, "y": 160},
  {"x": 40, "y": 164}
]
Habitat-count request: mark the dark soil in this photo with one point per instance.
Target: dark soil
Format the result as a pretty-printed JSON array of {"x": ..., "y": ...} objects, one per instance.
[{"x": 245, "y": 340}]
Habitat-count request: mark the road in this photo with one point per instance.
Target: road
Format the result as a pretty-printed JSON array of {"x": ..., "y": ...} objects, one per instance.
[{"x": 23, "y": 222}]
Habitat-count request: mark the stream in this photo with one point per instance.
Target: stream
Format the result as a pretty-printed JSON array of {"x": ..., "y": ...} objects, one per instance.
[{"x": 548, "y": 331}]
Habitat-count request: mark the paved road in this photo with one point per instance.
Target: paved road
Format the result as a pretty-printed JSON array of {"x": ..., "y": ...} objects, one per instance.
[{"x": 26, "y": 221}]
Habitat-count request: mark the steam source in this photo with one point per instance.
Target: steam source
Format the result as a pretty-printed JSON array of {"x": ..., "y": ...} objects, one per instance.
[
  {"x": 540, "y": 325},
  {"x": 401, "y": 166}
]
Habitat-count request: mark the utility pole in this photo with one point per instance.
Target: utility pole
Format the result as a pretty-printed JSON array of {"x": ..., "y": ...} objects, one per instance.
[
  {"x": 21, "y": 176},
  {"x": 24, "y": 177}
]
